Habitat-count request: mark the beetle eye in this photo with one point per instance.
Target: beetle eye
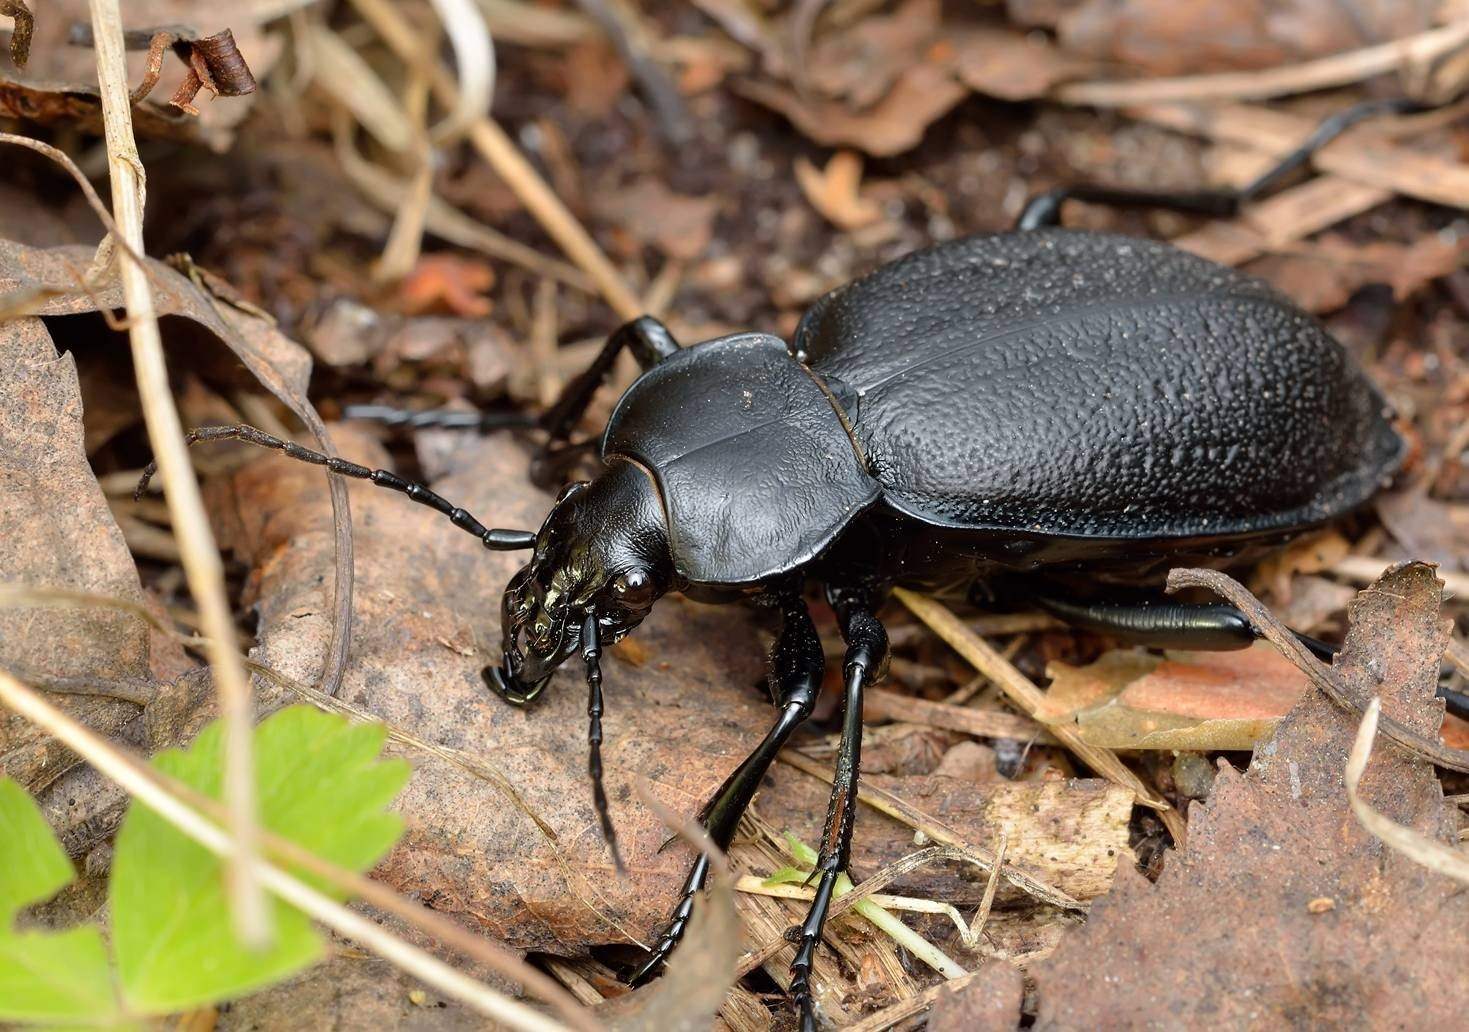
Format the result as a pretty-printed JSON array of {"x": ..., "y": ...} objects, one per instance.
[{"x": 634, "y": 588}]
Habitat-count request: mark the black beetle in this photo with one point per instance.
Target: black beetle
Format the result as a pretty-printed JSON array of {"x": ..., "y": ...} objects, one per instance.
[{"x": 1049, "y": 410}]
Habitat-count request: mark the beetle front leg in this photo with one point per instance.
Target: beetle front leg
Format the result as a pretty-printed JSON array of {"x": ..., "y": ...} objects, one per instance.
[
  {"x": 796, "y": 669},
  {"x": 865, "y": 661}
]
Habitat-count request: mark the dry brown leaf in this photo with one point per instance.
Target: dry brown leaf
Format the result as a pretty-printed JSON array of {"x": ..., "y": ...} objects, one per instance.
[
  {"x": 1323, "y": 275},
  {"x": 836, "y": 191},
  {"x": 428, "y": 607},
  {"x": 1163, "y": 37},
  {"x": 679, "y": 226},
  {"x": 1427, "y": 527},
  {"x": 1012, "y": 65},
  {"x": 922, "y": 94},
  {"x": 1232, "y": 935},
  {"x": 56, "y": 531},
  {"x": 860, "y": 64}
]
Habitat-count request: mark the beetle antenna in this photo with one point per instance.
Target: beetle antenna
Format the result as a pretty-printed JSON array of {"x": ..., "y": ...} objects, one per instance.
[
  {"x": 493, "y": 538},
  {"x": 591, "y": 651}
]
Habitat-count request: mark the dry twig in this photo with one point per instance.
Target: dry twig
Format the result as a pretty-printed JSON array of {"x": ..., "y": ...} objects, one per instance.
[{"x": 200, "y": 556}]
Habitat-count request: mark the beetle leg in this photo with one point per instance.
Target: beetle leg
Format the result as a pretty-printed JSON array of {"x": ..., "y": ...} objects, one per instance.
[
  {"x": 1204, "y": 627},
  {"x": 865, "y": 661},
  {"x": 650, "y": 343},
  {"x": 439, "y": 419},
  {"x": 1045, "y": 209},
  {"x": 796, "y": 668},
  {"x": 494, "y": 539}
]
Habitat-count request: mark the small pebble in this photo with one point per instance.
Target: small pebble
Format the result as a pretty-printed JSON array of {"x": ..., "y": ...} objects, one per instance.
[{"x": 1321, "y": 904}]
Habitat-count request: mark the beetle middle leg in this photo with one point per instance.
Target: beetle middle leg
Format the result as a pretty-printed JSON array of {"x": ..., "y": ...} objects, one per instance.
[
  {"x": 865, "y": 661},
  {"x": 796, "y": 668}
]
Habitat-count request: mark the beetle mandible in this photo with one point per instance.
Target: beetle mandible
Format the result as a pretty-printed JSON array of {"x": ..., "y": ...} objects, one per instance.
[{"x": 1049, "y": 410}]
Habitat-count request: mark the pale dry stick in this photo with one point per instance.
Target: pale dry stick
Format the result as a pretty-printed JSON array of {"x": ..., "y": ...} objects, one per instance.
[
  {"x": 202, "y": 565},
  {"x": 405, "y": 238},
  {"x": 979, "y": 723},
  {"x": 1364, "y": 569},
  {"x": 386, "y": 191},
  {"x": 505, "y": 158},
  {"x": 883, "y": 801},
  {"x": 1336, "y": 70},
  {"x": 1363, "y": 155},
  {"x": 1429, "y": 853},
  {"x": 1283, "y": 218},
  {"x": 145, "y": 785},
  {"x": 1023, "y": 692}
]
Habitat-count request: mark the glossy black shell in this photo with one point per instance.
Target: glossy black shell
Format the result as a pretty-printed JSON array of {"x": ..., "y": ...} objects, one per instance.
[{"x": 1046, "y": 384}]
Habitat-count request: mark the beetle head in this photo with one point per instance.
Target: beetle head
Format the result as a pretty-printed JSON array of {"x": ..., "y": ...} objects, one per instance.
[{"x": 602, "y": 552}]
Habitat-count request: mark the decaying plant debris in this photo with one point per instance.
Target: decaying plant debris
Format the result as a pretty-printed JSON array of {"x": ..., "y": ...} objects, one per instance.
[{"x": 337, "y": 213}]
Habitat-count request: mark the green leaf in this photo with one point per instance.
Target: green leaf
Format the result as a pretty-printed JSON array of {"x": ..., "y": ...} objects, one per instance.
[
  {"x": 318, "y": 783},
  {"x": 788, "y": 876},
  {"x": 33, "y": 866},
  {"x": 44, "y": 976}
]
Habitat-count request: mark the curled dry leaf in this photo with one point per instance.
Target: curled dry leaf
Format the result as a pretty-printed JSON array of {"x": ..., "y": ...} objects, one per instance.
[
  {"x": 922, "y": 94},
  {"x": 56, "y": 531},
  {"x": 427, "y": 615},
  {"x": 24, "y": 25},
  {"x": 221, "y": 49},
  {"x": 836, "y": 191},
  {"x": 191, "y": 315},
  {"x": 1230, "y": 934}
]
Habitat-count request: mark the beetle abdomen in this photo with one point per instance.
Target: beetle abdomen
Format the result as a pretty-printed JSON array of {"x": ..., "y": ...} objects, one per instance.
[{"x": 1074, "y": 383}]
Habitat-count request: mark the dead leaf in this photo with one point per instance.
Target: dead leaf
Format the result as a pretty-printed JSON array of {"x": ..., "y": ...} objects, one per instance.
[
  {"x": 447, "y": 282},
  {"x": 1227, "y": 937},
  {"x": 922, "y": 94},
  {"x": 680, "y": 226},
  {"x": 1161, "y": 37},
  {"x": 56, "y": 531},
  {"x": 255, "y": 352},
  {"x": 59, "y": 84},
  {"x": 1011, "y": 65},
  {"x": 988, "y": 1002},
  {"x": 836, "y": 191},
  {"x": 683, "y": 720},
  {"x": 1323, "y": 275},
  {"x": 1427, "y": 527},
  {"x": 861, "y": 63}
]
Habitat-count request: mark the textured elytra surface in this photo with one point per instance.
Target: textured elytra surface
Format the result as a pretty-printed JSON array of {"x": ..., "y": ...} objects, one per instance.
[
  {"x": 1084, "y": 384},
  {"x": 757, "y": 473}
]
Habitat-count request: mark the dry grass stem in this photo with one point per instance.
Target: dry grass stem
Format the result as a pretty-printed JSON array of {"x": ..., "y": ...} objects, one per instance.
[
  {"x": 148, "y": 787},
  {"x": 474, "y": 60},
  {"x": 1023, "y": 692},
  {"x": 900, "y": 810},
  {"x": 505, "y": 158},
  {"x": 1434, "y": 855},
  {"x": 1336, "y": 70},
  {"x": 200, "y": 557}
]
